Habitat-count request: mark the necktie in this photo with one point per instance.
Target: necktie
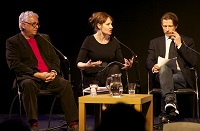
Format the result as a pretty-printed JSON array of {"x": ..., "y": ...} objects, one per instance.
[{"x": 172, "y": 50}]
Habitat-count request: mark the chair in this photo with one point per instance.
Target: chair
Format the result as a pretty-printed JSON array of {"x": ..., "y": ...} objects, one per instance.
[
  {"x": 181, "y": 126},
  {"x": 154, "y": 89},
  {"x": 43, "y": 92}
]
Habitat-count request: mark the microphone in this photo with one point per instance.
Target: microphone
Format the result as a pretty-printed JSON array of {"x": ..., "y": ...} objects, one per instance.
[
  {"x": 114, "y": 62},
  {"x": 60, "y": 53},
  {"x": 53, "y": 46},
  {"x": 136, "y": 67},
  {"x": 134, "y": 55},
  {"x": 186, "y": 46},
  {"x": 190, "y": 48}
]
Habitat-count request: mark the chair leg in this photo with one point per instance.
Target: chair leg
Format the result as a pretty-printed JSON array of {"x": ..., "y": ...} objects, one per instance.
[
  {"x": 197, "y": 99},
  {"x": 194, "y": 106},
  {"x": 52, "y": 106},
  {"x": 11, "y": 106},
  {"x": 20, "y": 105}
]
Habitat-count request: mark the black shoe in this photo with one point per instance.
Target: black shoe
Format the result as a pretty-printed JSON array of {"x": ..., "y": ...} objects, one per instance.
[
  {"x": 171, "y": 109},
  {"x": 164, "y": 118}
]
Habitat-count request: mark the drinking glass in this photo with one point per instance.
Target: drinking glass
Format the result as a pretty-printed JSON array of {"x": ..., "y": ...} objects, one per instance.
[
  {"x": 108, "y": 81},
  {"x": 132, "y": 88}
]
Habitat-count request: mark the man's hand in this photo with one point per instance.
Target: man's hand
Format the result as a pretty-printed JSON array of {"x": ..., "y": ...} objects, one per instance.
[
  {"x": 45, "y": 76},
  {"x": 155, "y": 68},
  {"x": 176, "y": 37},
  {"x": 51, "y": 76}
]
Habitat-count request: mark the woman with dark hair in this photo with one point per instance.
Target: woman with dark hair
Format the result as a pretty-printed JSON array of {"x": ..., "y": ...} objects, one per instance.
[{"x": 100, "y": 49}]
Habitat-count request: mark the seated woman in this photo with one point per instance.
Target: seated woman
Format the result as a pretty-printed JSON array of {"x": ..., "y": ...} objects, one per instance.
[{"x": 99, "y": 50}]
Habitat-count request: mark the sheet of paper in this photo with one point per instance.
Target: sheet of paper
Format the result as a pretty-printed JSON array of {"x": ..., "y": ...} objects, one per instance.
[
  {"x": 99, "y": 89},
  {"x": 171, "y": 63},
  {"x": 163, "y": 61}
]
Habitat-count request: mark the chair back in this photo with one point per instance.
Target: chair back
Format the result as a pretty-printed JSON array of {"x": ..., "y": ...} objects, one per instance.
[{"x": 154, "y": 87}]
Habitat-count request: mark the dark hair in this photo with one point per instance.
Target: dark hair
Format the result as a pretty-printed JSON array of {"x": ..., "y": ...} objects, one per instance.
[
  {"x": 98, "y": 18},
  {"x": 170, "y": 16}
]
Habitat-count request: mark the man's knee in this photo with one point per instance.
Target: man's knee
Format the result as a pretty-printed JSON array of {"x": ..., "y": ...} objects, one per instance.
[
  {"x": 164, "y": 69},
  {"x": 65, "y": 84},
  {"x": 27, "y": 85},
  {"x": 27, "y": 82}
]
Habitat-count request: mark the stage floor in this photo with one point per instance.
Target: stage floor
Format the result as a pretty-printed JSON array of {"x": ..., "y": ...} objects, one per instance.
[{"x": 58, "y": 120}]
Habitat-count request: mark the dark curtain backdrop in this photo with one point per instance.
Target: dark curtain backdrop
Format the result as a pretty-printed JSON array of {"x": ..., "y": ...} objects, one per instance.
[{"x": 135, "y": 23}]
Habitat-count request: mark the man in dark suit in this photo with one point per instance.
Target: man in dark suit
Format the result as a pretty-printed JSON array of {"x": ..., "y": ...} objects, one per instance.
[
  {"x": 171, "y": 75},
  {"x": 36, "y": 65}
]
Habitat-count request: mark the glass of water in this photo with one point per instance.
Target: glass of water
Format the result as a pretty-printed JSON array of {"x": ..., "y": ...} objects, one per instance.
[
  {"x": 108, "y": 81},
  {"x": 132, "y": 88}
]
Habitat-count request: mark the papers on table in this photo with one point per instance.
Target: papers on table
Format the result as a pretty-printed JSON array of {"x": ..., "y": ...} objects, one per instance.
[{"x": 99, "y": 89}]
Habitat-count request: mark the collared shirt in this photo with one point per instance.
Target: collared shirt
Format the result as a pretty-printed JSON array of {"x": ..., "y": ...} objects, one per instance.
[{"x": 167, "y": 43}]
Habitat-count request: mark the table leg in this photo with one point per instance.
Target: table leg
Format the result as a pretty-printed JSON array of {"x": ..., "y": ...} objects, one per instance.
[
  {"x": 149, "y": 117},
  {"x": 82, "y": 117}
]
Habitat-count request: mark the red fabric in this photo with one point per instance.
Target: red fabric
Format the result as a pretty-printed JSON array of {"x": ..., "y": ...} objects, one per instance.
[{"x": 41, "y": 64}]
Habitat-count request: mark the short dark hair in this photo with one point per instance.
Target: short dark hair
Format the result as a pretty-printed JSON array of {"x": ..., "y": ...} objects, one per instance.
[{"x": 170, "y": 16}]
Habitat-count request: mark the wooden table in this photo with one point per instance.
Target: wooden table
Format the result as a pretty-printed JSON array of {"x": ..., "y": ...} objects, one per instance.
[{"x": 137, "y": 100}]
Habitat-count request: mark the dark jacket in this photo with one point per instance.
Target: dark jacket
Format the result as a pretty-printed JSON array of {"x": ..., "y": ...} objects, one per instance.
[
  {"x": 21, "y": 59},
  {"x": 187, "y": 58}
]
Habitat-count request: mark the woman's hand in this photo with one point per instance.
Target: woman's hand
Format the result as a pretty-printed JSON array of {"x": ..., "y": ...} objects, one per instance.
[
  {"x": 82, "y": 65},
  {"x": 93, "y": 64},
  {"x": 127, "y": 63}
]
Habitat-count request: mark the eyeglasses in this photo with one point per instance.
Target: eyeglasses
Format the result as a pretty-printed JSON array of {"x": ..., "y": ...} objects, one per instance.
[{"x": 33, "y": 24}]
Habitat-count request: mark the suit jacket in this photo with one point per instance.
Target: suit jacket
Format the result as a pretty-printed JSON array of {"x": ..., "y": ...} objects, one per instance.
[
  {"x": 186, "y": 57},
  {"x": 21, "y": 59}
]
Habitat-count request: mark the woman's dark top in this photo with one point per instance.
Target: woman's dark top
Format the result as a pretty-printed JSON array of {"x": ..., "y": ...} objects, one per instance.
[{"x": 92, "y": 49}]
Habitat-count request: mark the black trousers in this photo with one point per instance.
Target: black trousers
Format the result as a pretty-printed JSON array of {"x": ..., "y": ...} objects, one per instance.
[
  {"x": 59, "y": 86},
  {"x": 99, "y": 75}
]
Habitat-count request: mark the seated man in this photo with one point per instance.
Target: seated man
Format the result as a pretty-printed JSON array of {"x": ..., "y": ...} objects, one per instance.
[
  {"x": 171, "y": 46},
  {"x": 36, "y": 65}
]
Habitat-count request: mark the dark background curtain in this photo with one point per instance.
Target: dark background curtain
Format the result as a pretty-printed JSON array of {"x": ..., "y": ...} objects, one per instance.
[{"x": 135, "y": 24}]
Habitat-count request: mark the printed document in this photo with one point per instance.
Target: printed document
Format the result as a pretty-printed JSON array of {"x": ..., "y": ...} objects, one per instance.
[{"x": 171, "y": 63}]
